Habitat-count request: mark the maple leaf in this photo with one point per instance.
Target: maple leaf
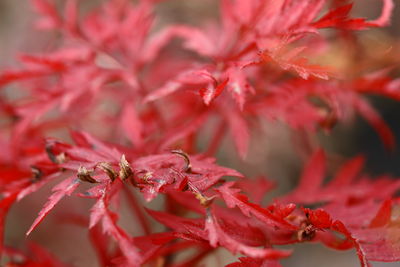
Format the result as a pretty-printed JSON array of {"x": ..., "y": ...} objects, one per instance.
[
  {"x": 345, "y": 187},
  {"x": 184, "y": 130},
  {"x": 191, "y": 229},
  {"x": 5, "y": 205},
  {"x": 233, "y": 199},
  {"x": 349, "y": 205},
  {"x": 37, "y": 257},
  {"x": 158, "y": 94},
  {"x": 250, "y": 262},
  {"x": 156, "y": 173},
  {"x": 291, "y": 61},
  {"x": 217, "y": 236},
  {"x": 384, "y": 18},
  {"x": 100, "y": 242},
  {"x": 189, "y": 77},
  {"x": 239, "y": 131},
  {"x": 311, "y": 179},
  {"x": 7, "y": 77},
  {"x": 158, "y": 245},
  {"x": 379, "y": 241},
  {"x": 210, "y": 92},
  {"x": 209, "y": 230},
  {"x": 50, "y": 18},
  {"x": 33, "y": 187},
  {"x": 339, "y": 18},
  {"x": 132, "y": 125},
  {"x": 100, "y": 212},
  {"x": 371, "y": 243},
  {"x": 65, "y": 188},
  {"x": 368, "y": 113},
  {"x": 258, "y": 187}
]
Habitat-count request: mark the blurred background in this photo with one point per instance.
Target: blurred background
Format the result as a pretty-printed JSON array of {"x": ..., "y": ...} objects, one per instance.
[{"x": 274, "y": 158}]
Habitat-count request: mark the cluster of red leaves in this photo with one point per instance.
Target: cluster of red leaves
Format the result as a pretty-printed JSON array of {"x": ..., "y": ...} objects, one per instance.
[{"x": 115, "y": 75}]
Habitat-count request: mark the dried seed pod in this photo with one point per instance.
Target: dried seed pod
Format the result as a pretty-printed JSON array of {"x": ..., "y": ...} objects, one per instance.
[
  {"x": 108, "y": 169},
  {"x": 185, "y": 156},
  {"x": 84, "y": 175},
  {"x": 204, "y": 201},
  {"x": 50, "y": 153},
  {"x": 37, "y": 173},
  {"x": 61, "y": 158},
  {"x": 306, "y": 233},
  {"x": 147, "y": 176},
  {"x": 125, "y": 169},
  {"x": 57, "y": 159}
]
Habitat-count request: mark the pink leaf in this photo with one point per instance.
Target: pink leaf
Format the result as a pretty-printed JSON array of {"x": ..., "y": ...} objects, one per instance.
[
  {"x": 132, "y": 125},
  {"x": 191, "y": 76},
  {"x": 210, "y": 92},
  {"x": 384, "y": 18},
  {"x": 300, "y": 65},
  {"x": 239, "y": 131},
  {"x": 71, "y": 16},
  {"x": 51, "y": 19}
]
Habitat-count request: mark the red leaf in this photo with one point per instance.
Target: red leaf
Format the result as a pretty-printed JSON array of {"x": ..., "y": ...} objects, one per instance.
[
  {"x": 217, "y": 236},
  {"x": 44, "y": 61},
  {"x": 192, "y": 228},
  {"x": 366, "y": 111},
  {"x": 36, "y": 186},
  {"x": 347, "y": 173},
  {"x": 100, "y": 244},
  {"x": 251, "y": 262},
  {"x": 384, "y": 18},
  {"x": 239, "y": 131},
  {"x": 183, "y": 131},
  {"x": 51, "y": 19},
  {"x": 281, "y": 211},
  {"x": 36, "y": 257},
  {"x": 191, "y": 76},
  {"x": 238, "y": 85},
  {"x": 291, "y": 61},
  {"x": 319, "y": 218},
  {"x": 257, "y": 187},
  {"x": 157, "y": 173},
  {"x": 65, "y": 188},
  {"x": 311, "y": 179},
  {"x": 339, "y": 227},
  {"x": 379, "y": 244},
  {"x": 233, "y": 199},
  {"x": 132, "y": 125},
  {"x": 339, "y": 18},
  {"x": 5, "y": 205},
  {"x": 7, "y": 77},
  {"x": 71, "y": 16},
  {"x": 194, "y": 39},
  {"x": 100, "y": 211},
  {"x": 383, "y": 216},
  {"x": 211, "y": 92}
]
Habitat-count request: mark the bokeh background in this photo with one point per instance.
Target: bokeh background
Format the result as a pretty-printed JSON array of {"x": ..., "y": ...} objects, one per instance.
[{"x": 272, "y": 154}]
